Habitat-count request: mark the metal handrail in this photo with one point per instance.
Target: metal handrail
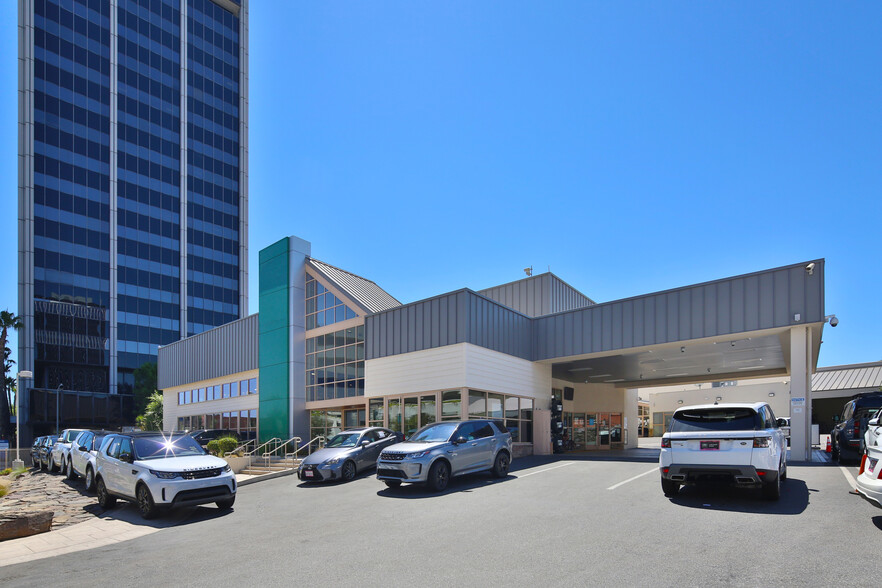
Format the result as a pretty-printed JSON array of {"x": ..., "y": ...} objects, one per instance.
[
  {"x": 241, "y": 448},
  {"x": 280, "y": 445},
  {"x": 308, "y": 445},
  {"x": 259, "y": 447}
]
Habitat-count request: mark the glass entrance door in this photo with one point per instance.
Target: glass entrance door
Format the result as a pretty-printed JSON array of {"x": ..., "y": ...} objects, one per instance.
[
  {"x": 603, "y": 430},
  {"x": 411, "y": 416}
]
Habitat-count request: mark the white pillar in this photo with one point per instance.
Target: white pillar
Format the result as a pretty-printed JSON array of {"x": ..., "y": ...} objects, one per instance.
[
  {"x": 632, "y": 421},
  {"x": 800, "y": 394}
]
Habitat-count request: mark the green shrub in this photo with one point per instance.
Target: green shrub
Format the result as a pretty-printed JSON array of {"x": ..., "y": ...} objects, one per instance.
[
  {"x": 227, "y": 444},
  {"x": 212, "y": 447},
  {"x": 6, "y": 472}
]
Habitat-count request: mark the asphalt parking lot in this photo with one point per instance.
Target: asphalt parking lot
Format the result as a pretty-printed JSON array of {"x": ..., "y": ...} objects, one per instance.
[{"x": 554, "y": 522}]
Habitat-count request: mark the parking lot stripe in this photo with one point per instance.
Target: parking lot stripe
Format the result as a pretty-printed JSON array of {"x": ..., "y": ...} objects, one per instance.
[
  {"x": 632, "y": 479},
  {"x": 547, "y": 469},
  {"x": 851, "y": 481}
]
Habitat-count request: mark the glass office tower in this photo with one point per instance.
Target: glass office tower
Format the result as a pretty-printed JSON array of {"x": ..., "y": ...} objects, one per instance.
[{"x": 132, "y": 183}]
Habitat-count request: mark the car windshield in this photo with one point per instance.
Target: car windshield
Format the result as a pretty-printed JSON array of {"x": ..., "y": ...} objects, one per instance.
[
  {"x": 715, "y": 419},
  {"x": 343, "y": 440},
  {"x": 159, "y": 447},
  {"x": 434, "y": 433}
]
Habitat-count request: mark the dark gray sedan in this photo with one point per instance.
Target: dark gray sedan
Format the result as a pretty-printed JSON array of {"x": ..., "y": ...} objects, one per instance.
[{"x": 346, "y": 454}]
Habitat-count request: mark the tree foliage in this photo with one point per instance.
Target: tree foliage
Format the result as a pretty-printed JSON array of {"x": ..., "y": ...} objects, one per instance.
[
  {"x": 145, "y": 386},
  {"x": 151, "y": 420},
  {"x": 7, "y": 321}
]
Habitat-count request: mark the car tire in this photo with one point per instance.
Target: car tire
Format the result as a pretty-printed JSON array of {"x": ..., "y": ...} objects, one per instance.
[
  {"x": 772, "y": 490},
  {"x": 784, "y": 472},
  {"x": 146, "y": 506},
  {"x": 670, "y": 487},
  {"x": 52, "y": 465},
  {"x": 89, "y": 479},
  {"x": 834, "y": 451},
  {"x": 105, "y": 500},
  {"x": 501, "y": 465},
  {"x": 392, "y": 483},
  {"x": 347, "y": 472},
  {"x": 439, "y": 476},
  {"x": 226, "y": 504},
  {"x": 42, "y": 465},
  {"x": 69, "y": 472}
]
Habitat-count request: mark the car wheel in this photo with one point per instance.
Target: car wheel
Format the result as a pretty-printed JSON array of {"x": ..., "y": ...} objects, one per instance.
[
  {"x": 146, "y": 506},
  {"x": 500, "y": 465},
  {"x": 226, "y": 503},
  {"x": 348, "y": 472},
  {"x": 51, "y": 467},
  {"x": 439, "y": 476},
  {"x": 70, "y": 473},
  {"x": 41, "y": 464},
  {"x": 90, "y": 479},
  {"x": 392, "y": 483},
  {"x": 772, "y": 490},
  {"x": 834, "y": 451},
  {"x": 784, "y": 472},
  {"x": 105, "y": 500},
  {"x": 670, "y": 487}
]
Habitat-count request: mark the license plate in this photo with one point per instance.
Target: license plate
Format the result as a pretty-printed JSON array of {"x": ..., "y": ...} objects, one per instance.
[
  {"x": 307, "y": 473},
  {"x": 710, "y": 444}
]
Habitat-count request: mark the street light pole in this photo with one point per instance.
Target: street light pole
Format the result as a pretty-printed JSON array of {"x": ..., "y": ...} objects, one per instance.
[
  {"x": 57, "y": 407},
  {"x": 18, "y": 464}
]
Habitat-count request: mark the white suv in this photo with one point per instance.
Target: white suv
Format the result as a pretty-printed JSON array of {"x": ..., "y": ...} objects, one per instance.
[
  {"x": 156, "y": 470},
  {"x": 742, "y": 444},
  {"x": 61, "y": 450}
]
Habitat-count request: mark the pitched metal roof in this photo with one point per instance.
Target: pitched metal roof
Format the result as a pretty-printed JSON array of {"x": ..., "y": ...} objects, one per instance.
[
  {"x": 858, "y": 376},
  {"x": 364, "y": 292}
]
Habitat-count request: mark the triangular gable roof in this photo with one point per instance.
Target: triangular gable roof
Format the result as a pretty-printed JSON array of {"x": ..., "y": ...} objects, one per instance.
[{"x": 363, "y": 292}]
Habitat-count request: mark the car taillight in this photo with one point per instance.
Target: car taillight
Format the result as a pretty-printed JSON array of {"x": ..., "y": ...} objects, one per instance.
[
  {"x": 762, "y": 441},
  {"x": 863, "y": 464},
  {"x": 857, "y": 428},
  {"x": 666, "y": 442}
]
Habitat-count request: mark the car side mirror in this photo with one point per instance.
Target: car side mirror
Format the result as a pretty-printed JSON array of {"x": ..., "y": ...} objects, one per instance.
[
  {"x": 83, "y": 448},
  {"x": 459, "y": 440},
  {"x": 874, "y": 422},
  {"x": 836, "y": 418},
  {"x": 365, "y": 443},
  {"x": 126, "y": 457},
  {"x": 782, "y": 423}
]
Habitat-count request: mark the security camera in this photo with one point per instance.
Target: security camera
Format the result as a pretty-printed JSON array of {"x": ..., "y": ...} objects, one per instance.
[
  {"x": 834, "y": 321},
  {"x": 810, "y": 268}
]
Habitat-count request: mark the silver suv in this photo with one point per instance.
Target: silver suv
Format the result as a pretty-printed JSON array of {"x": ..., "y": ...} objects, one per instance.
[{"x": 439, "y": 451}]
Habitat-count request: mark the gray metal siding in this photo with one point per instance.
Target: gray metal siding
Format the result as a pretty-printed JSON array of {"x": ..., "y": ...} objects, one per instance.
[
  {"x": 848, "y": 377},
  {"x": 745, "y": 303},
  {"x": 225, "y": 350},
  {"x": 457, "y": 317},
  {"x": 538, "y": 295}
]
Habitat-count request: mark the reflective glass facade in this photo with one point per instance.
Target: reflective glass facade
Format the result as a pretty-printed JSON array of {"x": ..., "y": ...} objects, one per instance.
[{"x": 132, "y": 122}]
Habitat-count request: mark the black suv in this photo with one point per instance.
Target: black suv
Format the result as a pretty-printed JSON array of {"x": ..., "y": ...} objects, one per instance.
[{"x": 847, "y": 437}]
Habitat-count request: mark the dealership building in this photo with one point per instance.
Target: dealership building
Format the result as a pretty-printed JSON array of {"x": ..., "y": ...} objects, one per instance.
[{"x": 331, "y": 350}]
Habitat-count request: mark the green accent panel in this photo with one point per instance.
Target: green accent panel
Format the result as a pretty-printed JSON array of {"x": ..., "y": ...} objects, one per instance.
[
  {"x": 274, "y": 267},
  {"x": 273, "y": 337}
]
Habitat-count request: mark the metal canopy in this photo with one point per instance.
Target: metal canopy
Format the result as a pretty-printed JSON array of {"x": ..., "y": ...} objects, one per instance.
[{"x": 725, "y": 358}]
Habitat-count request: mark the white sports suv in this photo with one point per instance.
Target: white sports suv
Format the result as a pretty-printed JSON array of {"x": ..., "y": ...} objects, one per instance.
[
  {"x": 61, "y": 449},
  {"x": 156, "y": 470},
  {"x": 81, "y": 459},
  {"x": 742, "y": 444}
]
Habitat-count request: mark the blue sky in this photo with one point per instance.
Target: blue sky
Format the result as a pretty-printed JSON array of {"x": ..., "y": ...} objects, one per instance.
[{"x": 630, "y": 147}]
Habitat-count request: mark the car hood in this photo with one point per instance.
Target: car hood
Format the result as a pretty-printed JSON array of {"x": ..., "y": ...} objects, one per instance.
[
  {"x": 411, "y": 447},
  {"x": 323, "y": 455},
  {"x": 183, "y": 464}
]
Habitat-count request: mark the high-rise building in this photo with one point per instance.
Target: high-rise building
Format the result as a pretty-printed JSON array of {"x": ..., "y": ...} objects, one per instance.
[{"x": 133, "y": 201}]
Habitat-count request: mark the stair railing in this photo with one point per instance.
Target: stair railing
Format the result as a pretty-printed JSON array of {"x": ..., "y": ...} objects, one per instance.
[{"x": 243, "y": 449}]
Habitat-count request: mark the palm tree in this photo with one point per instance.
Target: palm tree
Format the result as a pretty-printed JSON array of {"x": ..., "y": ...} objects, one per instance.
[
  {"x": 151, "y": 420},
  {"x": 7, "y": 321}
]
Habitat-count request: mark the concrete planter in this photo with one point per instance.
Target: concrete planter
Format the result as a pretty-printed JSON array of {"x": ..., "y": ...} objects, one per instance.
[{"x": 237, "y": 463}]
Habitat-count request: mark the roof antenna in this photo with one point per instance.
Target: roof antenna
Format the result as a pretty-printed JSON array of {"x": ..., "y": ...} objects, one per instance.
[{"x": 528, "y": 271}]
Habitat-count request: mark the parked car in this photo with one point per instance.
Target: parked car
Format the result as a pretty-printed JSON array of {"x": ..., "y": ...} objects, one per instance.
[
  {"x": 82, "y": 456},
  {"x": 157, "y": 470},
  {"x": 447, "y": 449},
  {"x": 346, "y": 454},
  {"x": 203, "y": 436},
  {"x": 38, "y": 448},
  {"x": 847, "y": 437},
  {"x": 61, "y": 449},
  {"x": 739, "y": 444},
  {"x": 869, "y": 483},
  {"x": 873, "y": 436}
]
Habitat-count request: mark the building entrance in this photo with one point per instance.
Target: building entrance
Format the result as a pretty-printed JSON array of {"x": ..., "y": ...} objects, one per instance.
[{"x": 591, "y": 431}]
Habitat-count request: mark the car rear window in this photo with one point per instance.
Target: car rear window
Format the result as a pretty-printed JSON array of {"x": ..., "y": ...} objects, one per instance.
[{"x": 715, "y": 419}]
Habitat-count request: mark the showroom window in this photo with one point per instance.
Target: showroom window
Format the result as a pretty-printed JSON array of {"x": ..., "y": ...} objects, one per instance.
[{"x": 516, "y": 412}]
